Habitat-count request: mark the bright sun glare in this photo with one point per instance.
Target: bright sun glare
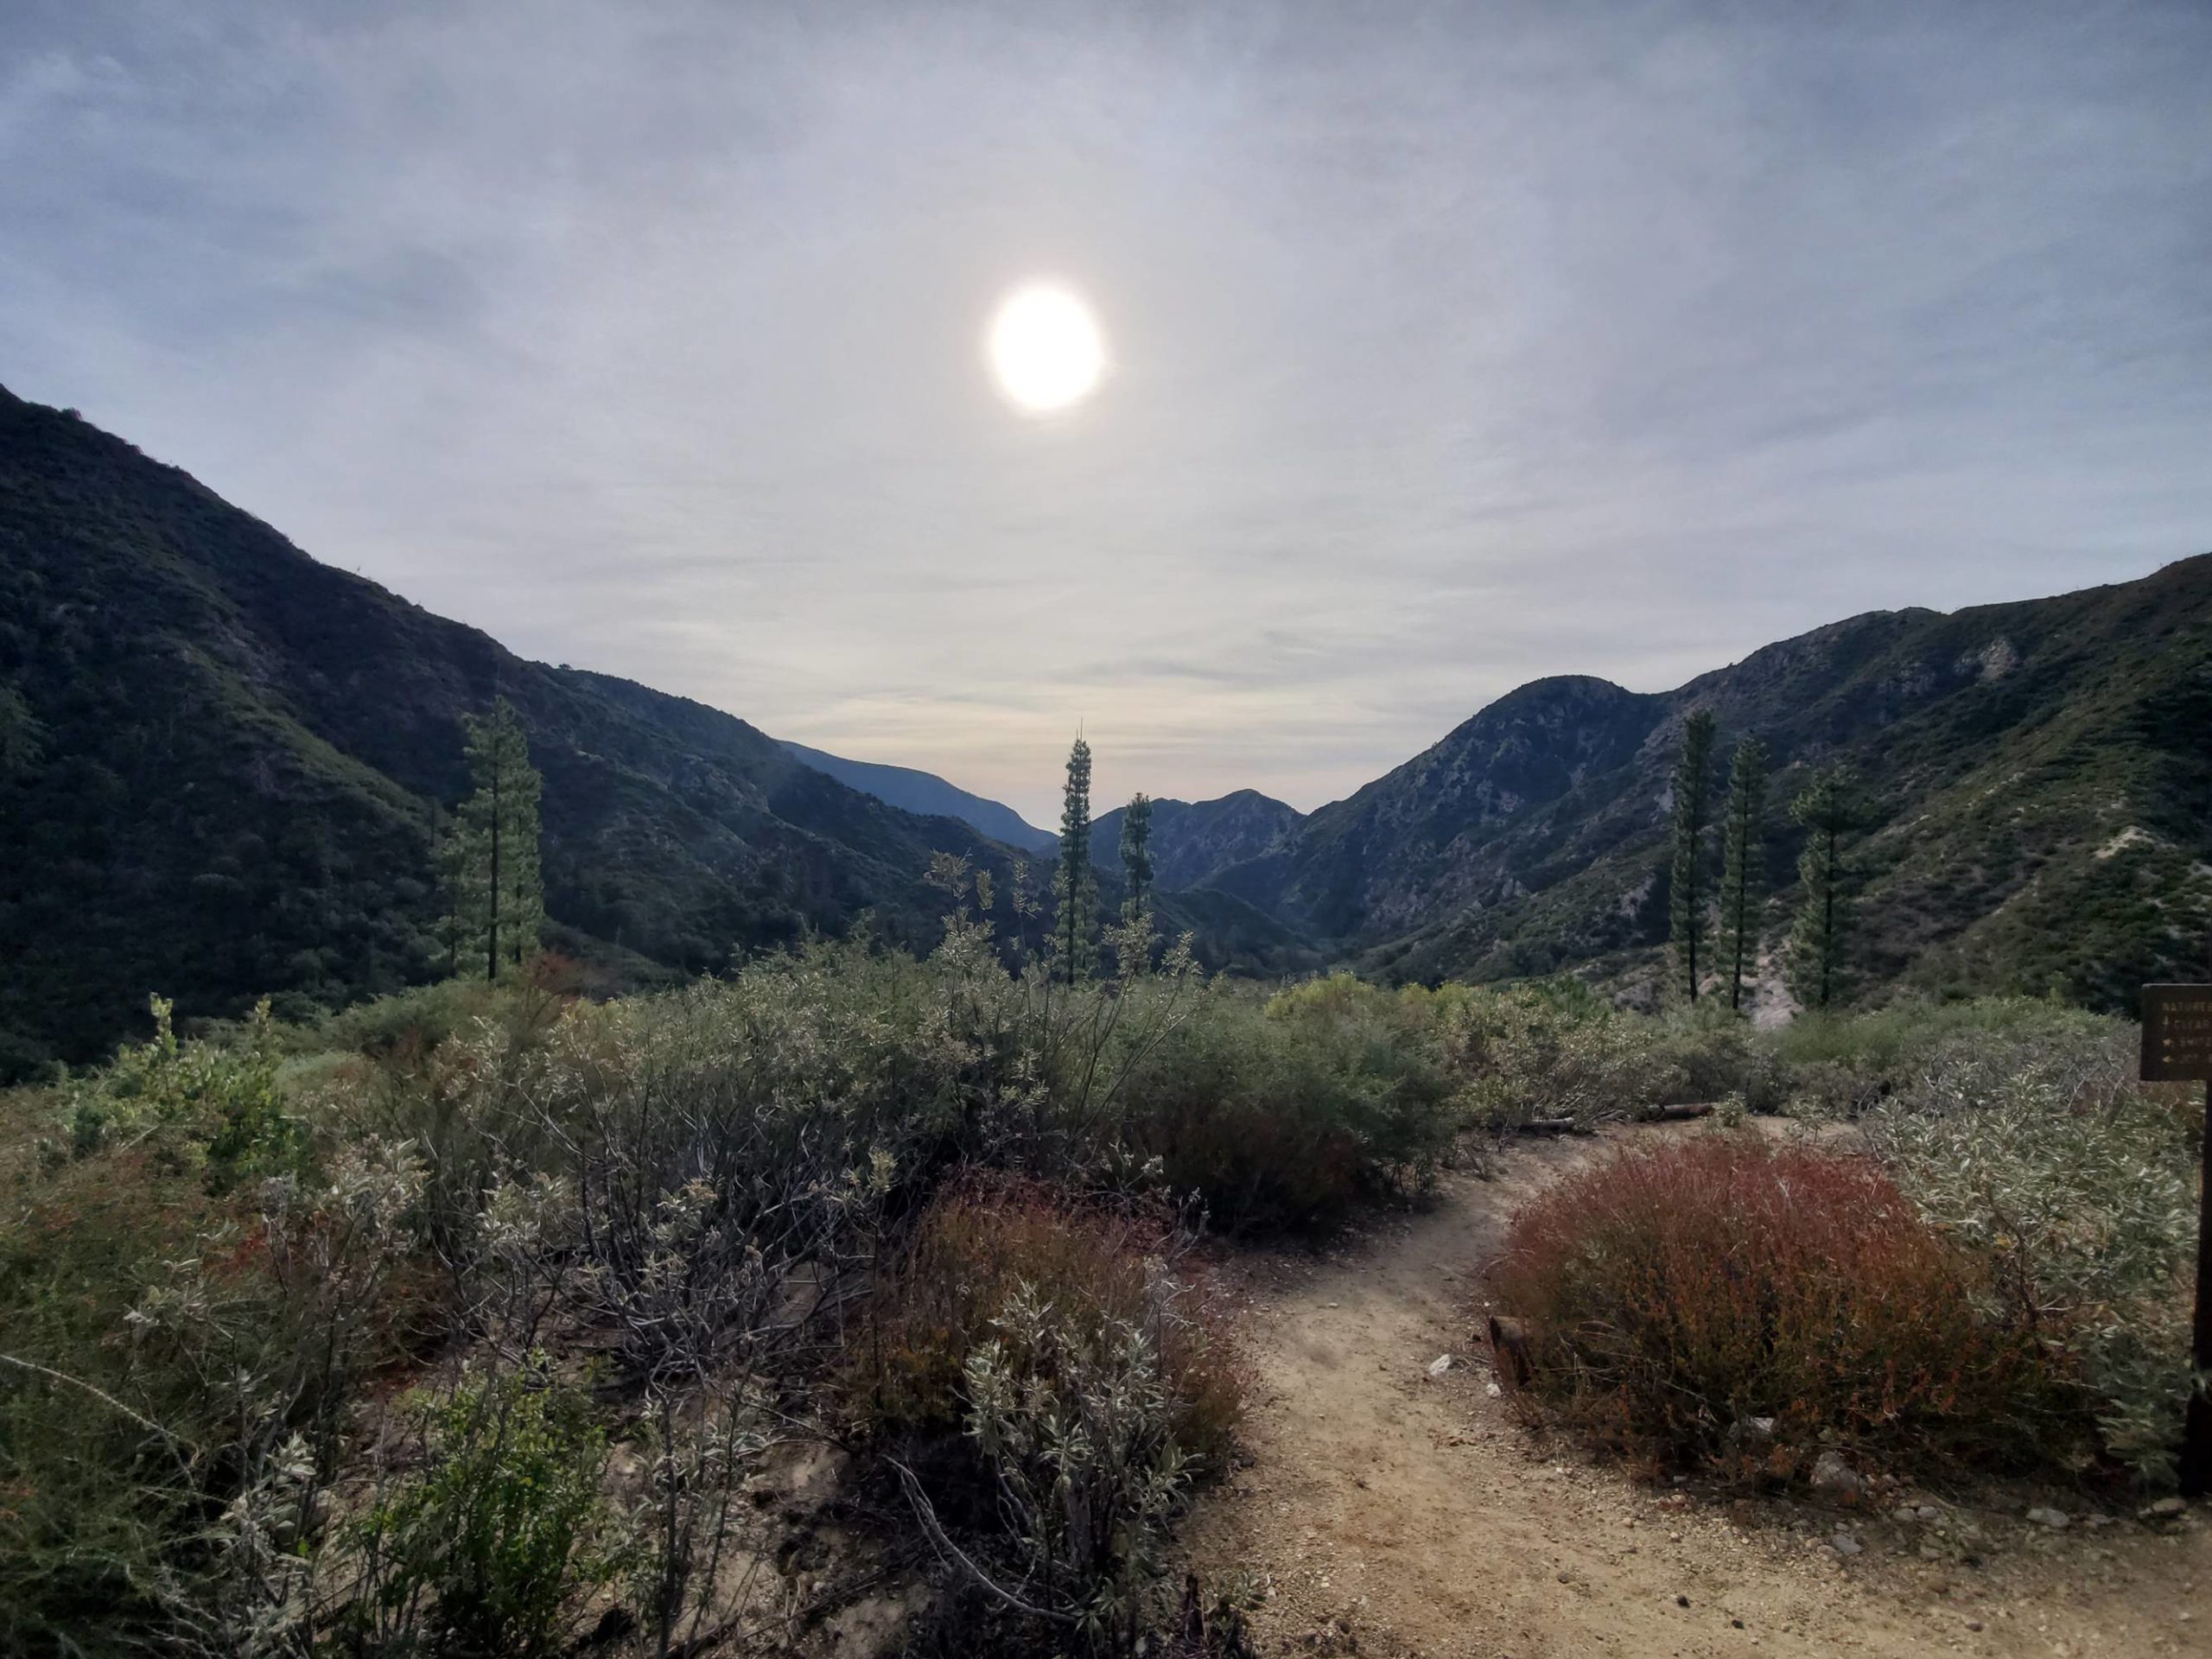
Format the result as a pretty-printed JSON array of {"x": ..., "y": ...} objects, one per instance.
[{"x": 1045, "y": 348}]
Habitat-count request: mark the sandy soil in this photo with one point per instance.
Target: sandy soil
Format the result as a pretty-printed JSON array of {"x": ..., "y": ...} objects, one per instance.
[{"x": 1389, "y": 1512}]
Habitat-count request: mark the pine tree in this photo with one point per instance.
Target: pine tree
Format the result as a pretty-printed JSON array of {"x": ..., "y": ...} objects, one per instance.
[
  {"x": 21, "y": 737},
  {"x": 1829, "y": 811},
  {"x": 456, "y": 867},
  {"x": 498, "y": 899},
  {"x": 1692, "y": 796},
  {"x": 1074, "y": 887},
  {"x": 1136, "y": 855},
  {"x": 1743, "y": 866}
]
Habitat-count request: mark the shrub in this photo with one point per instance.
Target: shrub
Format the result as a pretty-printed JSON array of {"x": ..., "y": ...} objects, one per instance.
[
  {"x": 215, "y": 1108},
  {"x": 491, "y": 1545},
  {"x": 1546, "y": 1051},
  {"x": 1074, "y": 1418},
  {"x": 1673, "y": 1296},
  {"x": 167, "y": 1350},
  {"x": 1852, "y": 1061},
  {"x": 407, "y": 1024},
  {"x": 1280, "y": 1112},
  {"x": 1087, "y": 1383},
  {"x": 985, "y": 1237},
  {"x": 1710, "y": 1052},
  {"x": 2032, "y": 1145}
]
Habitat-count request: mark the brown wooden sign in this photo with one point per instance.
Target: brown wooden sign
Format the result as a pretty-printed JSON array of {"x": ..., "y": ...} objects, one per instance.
[
  {"x": 2177, "y": 1034},
  {"x": 2178, "y": 1048}
]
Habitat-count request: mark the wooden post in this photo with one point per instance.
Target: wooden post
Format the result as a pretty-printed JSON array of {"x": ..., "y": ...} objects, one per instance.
[
  {"x": 2197, "y": 1426},
  {"x": 2178, "y": 1048}
]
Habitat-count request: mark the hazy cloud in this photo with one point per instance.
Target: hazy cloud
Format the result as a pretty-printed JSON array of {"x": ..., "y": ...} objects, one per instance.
[{"x": 1452, "y": 345}]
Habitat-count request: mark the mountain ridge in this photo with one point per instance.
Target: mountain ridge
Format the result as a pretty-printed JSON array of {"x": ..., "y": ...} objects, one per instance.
[
  {"x": 1531, "y": 838},
  {"x": 928, "y": 795},
  {"x": 239, "y": 751},
  {"x": 1191, "y": 841},
  {"x": 221, "y": 763}
]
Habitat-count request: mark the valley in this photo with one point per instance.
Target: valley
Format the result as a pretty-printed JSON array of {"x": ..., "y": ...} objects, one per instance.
[{"x": 234, "y": 761}]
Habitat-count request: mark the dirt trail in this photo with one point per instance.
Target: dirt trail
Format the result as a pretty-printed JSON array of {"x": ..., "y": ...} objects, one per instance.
[{"x": 1393, "y": 1513}]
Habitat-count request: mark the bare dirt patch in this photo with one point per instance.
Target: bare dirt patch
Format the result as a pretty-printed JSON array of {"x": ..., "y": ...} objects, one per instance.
[{"x": 1387, "y": 1511}]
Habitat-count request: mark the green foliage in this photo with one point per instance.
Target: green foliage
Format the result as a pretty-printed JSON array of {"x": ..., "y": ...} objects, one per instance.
[
  {"x": 1136, "y": 855},
  {"x": 1554, "y": 1050},
  {"x": 490, "y": 859},
  {"x": 214, "y": 1108},
  {"x": 174, "y": 1371},
  {"x": 23, "y": 739},
  {"x": 490, "y": 1546},
  {"x": 1075, "y": 1419},
  {"x": 1743, "y": 870},
  {"x": 1074, "y": 887},
  {"x": 1692, "y": 783},
  {"x": 1281, "y": 1111},
  {"x": 2035, "y": 1148},
  {"x": 413, "y": 1022},
  {"x": 1827, "y": 811}
]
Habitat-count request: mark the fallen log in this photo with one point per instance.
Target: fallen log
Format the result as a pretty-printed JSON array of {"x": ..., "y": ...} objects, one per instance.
[
  {"x": 1555, "y": 1125},
  {"x": 1670, "y": 1114}
]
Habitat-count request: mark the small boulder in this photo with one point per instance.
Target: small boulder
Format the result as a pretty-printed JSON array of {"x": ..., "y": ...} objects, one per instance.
[
  {"x": 1846, "y": 1546},
  {"x": 1440, "y": 1364},
  {"x": 1836, "y": 1478},
  {"x": 2057, "y": 1520},
  {"x": 2166, "y": 1509}
]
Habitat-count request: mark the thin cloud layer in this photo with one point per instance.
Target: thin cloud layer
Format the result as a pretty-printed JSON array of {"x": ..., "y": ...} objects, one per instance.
[{"x": 1450, "y": 347}]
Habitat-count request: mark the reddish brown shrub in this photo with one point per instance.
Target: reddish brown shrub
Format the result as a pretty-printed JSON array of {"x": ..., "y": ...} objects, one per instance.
[
  {"x": 983, "y": 1235},
  {"x": 1671, "y": 1298}
]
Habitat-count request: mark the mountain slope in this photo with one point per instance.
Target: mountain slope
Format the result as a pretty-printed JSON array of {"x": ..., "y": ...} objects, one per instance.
[
  {"x": 2039, "y": 774},
  {"x": 1194, "y": 840},
  {"x": 927, "y": 793},
  {"x": 234, "y": 753}
]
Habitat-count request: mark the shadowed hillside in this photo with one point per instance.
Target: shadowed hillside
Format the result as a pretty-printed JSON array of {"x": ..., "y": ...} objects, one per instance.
[{"x": 225, "y": 759}]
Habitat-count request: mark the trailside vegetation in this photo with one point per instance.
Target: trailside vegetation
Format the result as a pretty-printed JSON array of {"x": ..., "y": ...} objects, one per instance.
[
  {"x": 1986, "y": 1271},
  {"x": 298, "y": 1319}
]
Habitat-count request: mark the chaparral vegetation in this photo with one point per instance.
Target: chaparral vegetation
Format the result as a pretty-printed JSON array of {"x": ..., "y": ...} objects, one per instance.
[{"x": 466, "y": 1322}]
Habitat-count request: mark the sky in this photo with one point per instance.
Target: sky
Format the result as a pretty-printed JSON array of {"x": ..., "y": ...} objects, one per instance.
[{"x": 1450, "y": 345}]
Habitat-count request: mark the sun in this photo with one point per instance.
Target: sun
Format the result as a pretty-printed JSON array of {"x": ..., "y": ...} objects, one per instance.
[{"x": 1045, "y": 348}]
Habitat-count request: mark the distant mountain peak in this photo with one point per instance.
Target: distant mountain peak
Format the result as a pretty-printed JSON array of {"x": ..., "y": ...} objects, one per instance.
[
  {"x": 913, "y": 791},
  {"x": 1193, "y": 841}
]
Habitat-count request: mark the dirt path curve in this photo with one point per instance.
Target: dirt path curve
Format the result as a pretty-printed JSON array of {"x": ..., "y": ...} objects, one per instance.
[{"x": 1389, "y": 1512}]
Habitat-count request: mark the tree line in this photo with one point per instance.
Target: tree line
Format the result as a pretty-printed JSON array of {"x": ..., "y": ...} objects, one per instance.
[{"x": 1717, "y": 931}]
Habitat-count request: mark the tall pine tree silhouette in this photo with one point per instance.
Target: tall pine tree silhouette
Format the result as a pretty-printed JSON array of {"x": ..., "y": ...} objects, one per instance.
[
  {"x": 490, "y": 859},
  {"x": 1075, "y": 888},
  {"x": 1692, "y": 798},
  {"x": 1743, "y": 867},
  {"x": 1828, "y": 809}
]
